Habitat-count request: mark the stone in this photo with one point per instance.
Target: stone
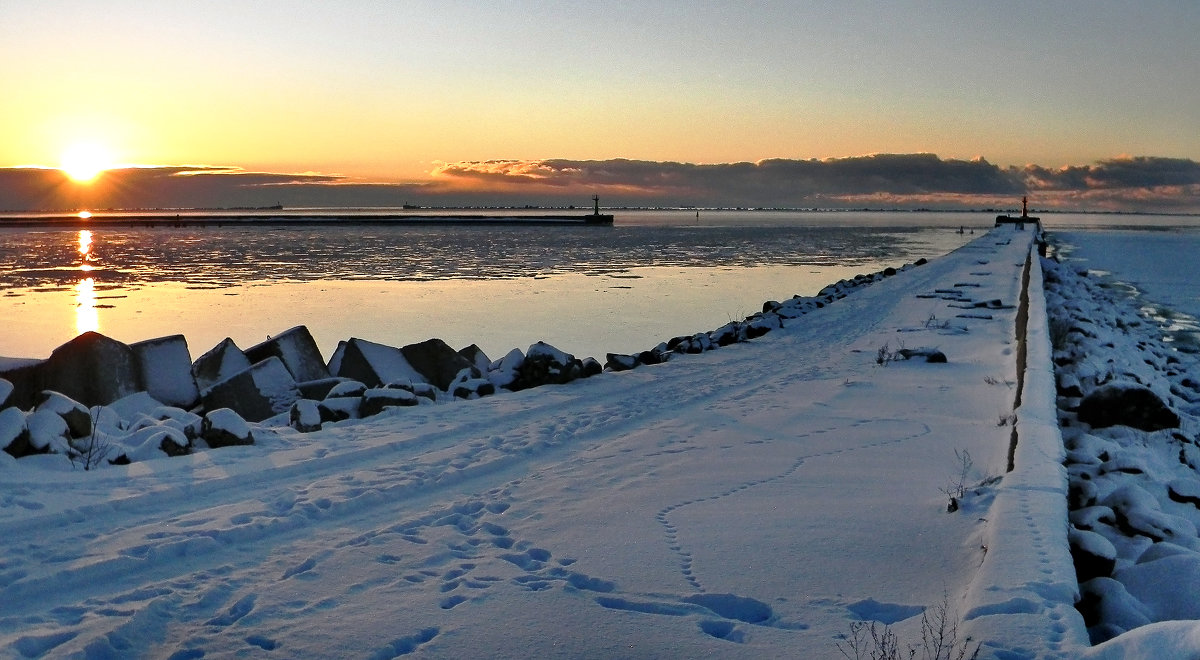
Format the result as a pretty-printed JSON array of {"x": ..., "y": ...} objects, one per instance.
[
  {"x": 92, "y": 369},
  {"x": 375, "y": 400},
  {"x": 338, "y": 408},
  {"x": 297, "y": 350},
  {"x": 346, "y": 388},
  {"x": 546, "y": 365},
  {"x": 620, "y": 362},
  {"x": 1094, "y": 555},
  {"x": 224, "y": 428},
  {"x": 224, "y": 360},
  {"x": 75, "y": 414},
  {"x": 370, "y": 363},
  {"x": 1126, "y": 404},
  {"x": 47, "y": 431},
  {"x": 436, "y": 362},
  {"x": 505, "y": 371},
  {"x": 165, "y": 368},
  {"x": 305, "y": 416},
  {"x": 264, "y": 390},
  {"x": 319, "y": 389},
  {"x": 6, "y": 390},
  {"x": 14, "y": 433},
  {"x": 476, "y": 357},
  {"x": 130, "y": 407},
  {"x": 590, "y": 366},
  {"x": 473, "y": 388}
]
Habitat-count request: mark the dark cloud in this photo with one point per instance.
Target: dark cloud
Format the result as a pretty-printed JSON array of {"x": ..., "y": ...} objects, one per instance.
[{"x": 876, "y": 181}]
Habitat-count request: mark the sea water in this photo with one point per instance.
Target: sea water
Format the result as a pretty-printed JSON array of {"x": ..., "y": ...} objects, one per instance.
[
  {"x": 586, "y": 290},
  {"x": 1156, "y": 266}
]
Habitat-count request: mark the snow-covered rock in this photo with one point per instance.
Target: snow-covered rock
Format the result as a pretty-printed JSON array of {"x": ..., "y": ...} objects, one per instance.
[
  {"x": 1128, "y": 404},
  {"x": 223, "y": 427},
  {"x": 75, "y": 414},
  {"x": 436, "y": 362},
  {"x": 370, "y": 363},
  {"x": 305, "y": 416}
]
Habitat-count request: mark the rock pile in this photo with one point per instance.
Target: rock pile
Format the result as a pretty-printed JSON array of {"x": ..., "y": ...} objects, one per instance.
[
  {"x": 1129, "y": 408},
  {"x": 100, "y": 401}
]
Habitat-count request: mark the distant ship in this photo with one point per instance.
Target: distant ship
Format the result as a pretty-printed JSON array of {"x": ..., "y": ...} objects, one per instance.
[{"x": 1021, "y": 219}]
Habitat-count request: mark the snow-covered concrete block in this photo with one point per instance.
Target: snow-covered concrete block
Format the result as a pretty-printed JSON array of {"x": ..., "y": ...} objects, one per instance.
[
  {"x": 25, "y": 376},
  {"x": 165, "y": 366},
  {"x": 370, "y": 363},
  {"x": 298, "y": 351},
  {"x": 92, "y": 369},
  {"x": 435, "y": 361},
  {"x": 218, "y": 364},
  {"x": 130, "y": 407},
  {"x": 48, "y": 431},
  {"x": 319, "y": 389},
  {"x": 6, "y": 390},
  {"x": 264, "y": 390},
  {"x": 224, "y": 427},
  {"x": 338, "y": 408}
]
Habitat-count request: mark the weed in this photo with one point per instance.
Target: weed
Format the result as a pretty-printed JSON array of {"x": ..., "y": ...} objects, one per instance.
[
  {"x": 939, "y": 639},
  {"x": 956, "y": 489},
  {"x": 94, "y": 450}
]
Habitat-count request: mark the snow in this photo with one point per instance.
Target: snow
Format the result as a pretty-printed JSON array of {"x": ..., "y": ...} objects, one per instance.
[{"x": 752, "y": 501}]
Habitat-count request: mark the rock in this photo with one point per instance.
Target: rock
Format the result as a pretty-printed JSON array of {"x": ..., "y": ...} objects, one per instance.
[
  {"x": 319, "y": 389},
  {"x": 546, "y": 365},
  {"x": 375, "y": 400},
  {"x": 620, "y": 362},
  {"x": 297, "y": 350},
  {"x": 165, "y": 368},
  {"x": 473, "y": 388},
  {"x": 224, "y": 427},
  {"x": 730, "y": 333},
  {"x": 346, "y": 388},
  {"x": 47, "y": 431},
  {"x": 504, "y": 373},
  {"x": 14, "y": 434},
  {"x": 370, "y": 363},
  {"x": 1094, "y": 555},
  {"x": 338, "y": 408},
  {"x": 92, "y": 369},
  {"x": 1106, "y": 600},
  {"x": 1184, "y": 491},
  {"x": 6, "y": 390},
  {"x": 129, "y": 407},
  {"x": 264, "y": 390},
  {"x": 590, "y": 366},
  {"x": 436, "y": 362},
  {"x": 476, "y": 357},
  {"x": 1126, "y": 404},
  {"x": 305, "y": 416},
  {"x": 223, "y": 361},
  {"x": 77, "y": 417},
  {"x": 930, "y": 354}
]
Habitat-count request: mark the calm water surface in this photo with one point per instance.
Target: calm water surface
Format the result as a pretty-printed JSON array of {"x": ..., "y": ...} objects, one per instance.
[{"x": 586, "y": 290}]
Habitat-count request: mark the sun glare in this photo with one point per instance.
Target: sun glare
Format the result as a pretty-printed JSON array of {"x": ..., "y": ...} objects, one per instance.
[{"x": 84, "y": 162}]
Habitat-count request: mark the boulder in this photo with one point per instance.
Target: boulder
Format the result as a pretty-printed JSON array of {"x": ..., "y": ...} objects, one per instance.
[
  {"x": 223, "y": 361},
  {"x": 92, "y": 369},
  {"x": 476, "y": 357},
  {"x": 224, "y": 427},
  {"x": 47, "y": 431},
  {"x": 297, "y": 350},
  {"x": 165, "y": 368},
  {"x": 370, "y": 363},
  {"x": 436, "y": 362},
  {"x": 546, "y": 365},
  {"x": 1094, "y": 555},
  {"x": 590, "y": 367},
  {"x": 75, "y": 414},
  {"x": 6, "y": 390},
  {"x": 505, "y": 371},
  {"x": 620, "y": 362},
  {"x": 473, "y": 388},
  {"x": 305, "y": 416},
  {"x": 1126, "y": 404},
  {"x": 319, "y": 389},
  {"x": 376, "y": 399},
  {"x": 337, "y": 408},
  {"x": 346, "y": 388},
  {"x": 130, "y": 407},
  {"x": 264, "y": 390},
  {"x": 14, "y": 434}
]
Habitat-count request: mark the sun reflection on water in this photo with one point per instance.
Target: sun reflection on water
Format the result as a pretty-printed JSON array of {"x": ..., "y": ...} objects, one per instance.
[{"x": 87, "y": 319}]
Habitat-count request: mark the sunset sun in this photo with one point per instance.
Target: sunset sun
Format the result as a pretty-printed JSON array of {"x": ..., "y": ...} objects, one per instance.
[{"x": 84, "y": 162}]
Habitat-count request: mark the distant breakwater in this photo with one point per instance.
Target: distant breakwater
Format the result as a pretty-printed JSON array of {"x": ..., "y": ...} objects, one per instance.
[{"x": 98, "y": 401}]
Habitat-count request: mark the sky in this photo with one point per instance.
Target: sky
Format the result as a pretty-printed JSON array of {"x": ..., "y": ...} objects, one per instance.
[{"x": 471, "y": 102}]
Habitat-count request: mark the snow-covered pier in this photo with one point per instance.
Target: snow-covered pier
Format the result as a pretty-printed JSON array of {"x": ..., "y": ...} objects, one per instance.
[{"x": 870, "y": 461}]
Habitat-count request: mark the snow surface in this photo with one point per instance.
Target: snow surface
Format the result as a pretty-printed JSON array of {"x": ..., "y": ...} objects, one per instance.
[{"x": 753, "y": 501}]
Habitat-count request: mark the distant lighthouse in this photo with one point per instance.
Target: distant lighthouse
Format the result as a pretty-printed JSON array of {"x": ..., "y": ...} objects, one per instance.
[{"x": 595, "y": 204}]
